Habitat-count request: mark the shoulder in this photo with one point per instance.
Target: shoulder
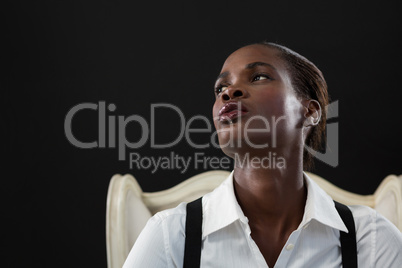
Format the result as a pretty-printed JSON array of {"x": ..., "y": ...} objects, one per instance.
[
  {"x": 173, "y": 214},
  {"x": 170, "y": 221},
  {"x": 161, "y": 242},
  {"x": 164, "y": 219},
  {"x": 369, "y": 220},
  {"x": 378, "y": 240}
]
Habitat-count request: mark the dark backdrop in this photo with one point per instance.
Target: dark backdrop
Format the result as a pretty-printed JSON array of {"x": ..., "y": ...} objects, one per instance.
[{"x": 60, "y": 54}]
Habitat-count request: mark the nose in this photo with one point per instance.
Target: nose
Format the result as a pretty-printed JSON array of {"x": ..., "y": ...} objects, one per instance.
[{"x": 233, "y": 93}]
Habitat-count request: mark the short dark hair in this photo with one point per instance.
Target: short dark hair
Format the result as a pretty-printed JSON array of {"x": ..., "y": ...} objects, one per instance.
[{"x": 308, "y": 82}]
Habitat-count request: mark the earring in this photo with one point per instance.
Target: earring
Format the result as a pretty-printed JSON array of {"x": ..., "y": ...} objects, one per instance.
[{"x": 309, "y": 122}]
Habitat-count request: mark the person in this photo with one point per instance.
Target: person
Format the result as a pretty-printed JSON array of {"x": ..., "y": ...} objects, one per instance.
[{"x": 270, "y": 103}]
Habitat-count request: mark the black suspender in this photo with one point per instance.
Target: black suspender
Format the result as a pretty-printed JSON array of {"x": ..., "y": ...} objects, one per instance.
[
  {"x": 192, "y": 248},
  {"x": 348, "y": 240}
]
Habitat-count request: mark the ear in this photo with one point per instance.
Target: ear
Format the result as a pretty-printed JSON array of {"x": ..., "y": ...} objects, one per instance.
[{"x": 312, "y": 113}]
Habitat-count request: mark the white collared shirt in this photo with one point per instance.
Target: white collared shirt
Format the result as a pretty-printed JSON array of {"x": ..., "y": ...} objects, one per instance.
[{"x": 227, "y": 240}]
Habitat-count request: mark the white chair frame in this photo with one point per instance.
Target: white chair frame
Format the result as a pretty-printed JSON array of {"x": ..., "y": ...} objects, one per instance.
[{"x": 129, "y": 208}]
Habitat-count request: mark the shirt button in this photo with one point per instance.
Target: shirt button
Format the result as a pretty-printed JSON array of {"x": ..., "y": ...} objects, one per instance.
[{"x": 290, "y": 247}]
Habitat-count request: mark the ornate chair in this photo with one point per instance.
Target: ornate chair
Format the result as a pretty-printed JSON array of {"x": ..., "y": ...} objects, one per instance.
[{"x": 129, "y": 208}]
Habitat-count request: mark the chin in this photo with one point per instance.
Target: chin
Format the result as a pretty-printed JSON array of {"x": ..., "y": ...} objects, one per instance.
[{"x": 240, "y": 149}]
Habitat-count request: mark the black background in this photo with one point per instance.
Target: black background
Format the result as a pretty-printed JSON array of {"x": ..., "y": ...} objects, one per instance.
[{"x": 60, "y": 54}]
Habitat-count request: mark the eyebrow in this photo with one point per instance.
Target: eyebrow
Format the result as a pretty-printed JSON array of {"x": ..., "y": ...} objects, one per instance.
[
  {"x": 222, "y": 75},
  {"x": 248, "y": 66},
  {"x": 259, "y": 63}
]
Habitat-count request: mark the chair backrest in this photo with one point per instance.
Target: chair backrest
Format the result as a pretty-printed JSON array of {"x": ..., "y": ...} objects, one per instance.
[{"x": 129, "y": 208}]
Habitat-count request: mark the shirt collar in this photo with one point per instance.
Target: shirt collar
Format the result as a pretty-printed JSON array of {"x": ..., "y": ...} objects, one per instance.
[
  {"x": 320, "y": 207},
  {"x": 222, "y": 208}
]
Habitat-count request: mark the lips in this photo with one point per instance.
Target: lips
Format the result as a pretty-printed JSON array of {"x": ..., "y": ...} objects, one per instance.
[{"x": 231, "y": 111}]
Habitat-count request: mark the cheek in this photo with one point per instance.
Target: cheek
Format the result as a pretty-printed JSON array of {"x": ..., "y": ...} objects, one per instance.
[
  {"x": 294, "y": 111},
  {"x": 215, "y": 111},
  {"x": 271, "y": 104},
  {"x": 284, "y": 111}
]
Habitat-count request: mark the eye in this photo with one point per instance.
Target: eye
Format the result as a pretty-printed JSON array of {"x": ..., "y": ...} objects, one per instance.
[
  {"x": 220, "y": 88},
  {"x": 259, "y": 77}
]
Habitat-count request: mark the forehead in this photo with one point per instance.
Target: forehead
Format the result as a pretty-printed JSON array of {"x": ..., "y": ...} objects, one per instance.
[{"x": 253, "y": 53}]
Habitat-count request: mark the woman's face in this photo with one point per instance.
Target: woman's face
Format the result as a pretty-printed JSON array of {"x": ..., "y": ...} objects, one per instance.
[{"x": 256, "y": 107}]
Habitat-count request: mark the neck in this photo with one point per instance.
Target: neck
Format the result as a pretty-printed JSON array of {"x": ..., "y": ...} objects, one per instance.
[{"x": 275, "y": 196}]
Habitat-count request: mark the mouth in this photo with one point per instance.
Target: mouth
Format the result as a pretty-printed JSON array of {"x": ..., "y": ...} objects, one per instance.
[{"x": 231, "y": 111}]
